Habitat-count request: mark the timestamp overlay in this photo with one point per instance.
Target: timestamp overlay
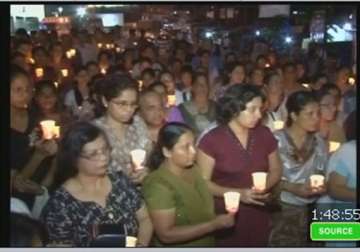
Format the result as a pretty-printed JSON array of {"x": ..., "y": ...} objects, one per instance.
[{"x": 335, "y": 222}]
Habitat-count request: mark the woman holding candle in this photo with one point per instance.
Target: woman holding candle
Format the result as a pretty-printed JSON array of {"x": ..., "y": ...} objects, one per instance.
[
  {"x": 303, "y": 153},
  {"x": 25, "y": 155},
  {"x": 228, "y": 156},
  {"x": 88, "y": 195},
  {"x": 180, "y": 204},
  {"x": 125, "y": 130}
]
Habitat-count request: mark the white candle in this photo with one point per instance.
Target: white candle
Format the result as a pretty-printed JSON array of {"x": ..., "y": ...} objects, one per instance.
[
  {"x": 232, "y": 200},
  {"x": 267, "y": 65},
  {"x": 103, "y": 70},
  {"x": 316, "y": 180},
  {"x": 99, "y": 45},
  {"x": 140, "y": 84},
  {"x": 48, "y": 128},
  {"x": 351, "y": 81},
  {"x": 72, "y": 52},
  {"x": 259, "y": 180},
  {"x": 118, "y": 49},
  {"x": 278, "y": 124},
  {"x": 171, "y": 100},
  {"x": 39, "y": 72},
  {"x": 333, "y": 146},
  {"x": 64, "y": 72},
  {"x": 68, "y": 54},
  {"x": 108, "y": 46},
  {"x": 131, "y": 241},
  {"x": 56, "y": 84},
  {"x": 138, "y": 157},
  {"x": 305, "y": 85}
]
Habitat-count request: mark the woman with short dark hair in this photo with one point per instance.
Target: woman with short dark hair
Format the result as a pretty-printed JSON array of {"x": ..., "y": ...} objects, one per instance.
[
  {"x": 230, "y": 153},
  {"x": 89, "y": 195},
  {"x": 303, "y": 153},
  {"x": 125, "y": 130}
]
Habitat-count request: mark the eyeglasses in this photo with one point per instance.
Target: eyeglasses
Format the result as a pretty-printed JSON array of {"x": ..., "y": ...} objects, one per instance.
[
  {"x": 96, "y": 154},
  {"x": 124, "y": 104}
]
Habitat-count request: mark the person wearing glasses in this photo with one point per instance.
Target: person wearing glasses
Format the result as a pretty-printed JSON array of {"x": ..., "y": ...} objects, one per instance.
[
  {"x": 88, "y": 195},
  {"x": 124, "y": 130}
]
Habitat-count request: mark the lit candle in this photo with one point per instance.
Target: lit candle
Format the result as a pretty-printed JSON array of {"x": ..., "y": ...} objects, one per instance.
[
  {"x": 141, "y": 83},
  {"x": 135, "y": 43},
  {"x": 47, "y": 128},
  {"x": 305, "y": 85},
  {"x": 103, "y": 70},
  {"x": 316, "y": 180},
  {"x": 333, "y": 146},
  {"x": 31, "y": 61},
  {"x": 278, "y": 125},
  {"x": 351, "y": 81},
  {"x": 232, "y": 200},
  {"x": 72, "y": 52},
  {"x": 39, "y": 72},
  {"x": 118, "y": 49},
  {"x": 99, "y": 45},
  {"x": 108, "y": 46},
  {"x": 267, "y": 65},
  {"x": 131, "y": 241},
  {"x": 64, "y": 72},
  {"x": 171, "y": 100},
  {"x": 112, "y": 46},
  {"x": 56, "y": 84},
  {"x": 138, "y": 157},
  {"x": 68, "y": 54},
  {"x": 259, "y": 180}
]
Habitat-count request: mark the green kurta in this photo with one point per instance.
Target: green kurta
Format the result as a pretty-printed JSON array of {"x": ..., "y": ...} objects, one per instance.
[{"x": 193, "y": 202}]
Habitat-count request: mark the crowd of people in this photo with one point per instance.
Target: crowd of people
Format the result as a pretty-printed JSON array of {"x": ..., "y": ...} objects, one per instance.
[{"x": 207, "y": 117}]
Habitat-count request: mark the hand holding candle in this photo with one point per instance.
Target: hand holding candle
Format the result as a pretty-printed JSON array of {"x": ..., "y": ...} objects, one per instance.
[
  {"x": 259, "y": 180},
  {"x": 232, "y": 200},
  {"x": 138, "y": 157},
  {"x": 316, "y": 181},
  {"x": 49, "y": 129},
  {"x": 64, "y": 72}
]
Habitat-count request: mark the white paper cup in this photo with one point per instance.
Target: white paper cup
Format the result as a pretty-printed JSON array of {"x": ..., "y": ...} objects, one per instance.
[
  {"x": 48, "y": 128},
  {"x": 333, "y": 146},
  {"x": 64, "y": 72},
  {"x": 56, "y": 131},
  {"x": 316, "y": 180},
  {"x": 171, "y": 100},
  {"x": 259, "y": 180},
  {"x": 138, "y": 157},
  {"x": 39, "y": 72},
  {"x": 131, "y": 241},
  {"x": 278, "y": 124},
  {"x": 232, "y": 200}
]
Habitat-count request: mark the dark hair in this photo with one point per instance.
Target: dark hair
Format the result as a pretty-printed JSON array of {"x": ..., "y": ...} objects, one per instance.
[
  {"x": 70, "y": 149},
  {"x": 323, "y": 91},
  {"x": 350, "y": 126},
  {"x": 187, "y": 69},
  {"x": 168, "y": 136},
  {"x": 21, "y": 42},
  {"x": 91, "y": 63},
  {"x": 330, "y": 86},
  {"x": 296, "y": 103},
  {"x": 155, "y": 84},
  {"x": 230, "y": 67},
  {"x": 148, "y": 71},
  {"x": 39, "y": 49},
  {"x": 269, "y": 76},
  {"x": 101, "y": 53},
  {"x": 114, "y": 84},
  {"x": 16, "y": 71},
  {"x": 287, "y": 65},
  {"x": 78, "y": 69},
  {"x": 234, "y": 101},
  {"x": 23, "y": 230},
  {"x": 198, "y": 75}
]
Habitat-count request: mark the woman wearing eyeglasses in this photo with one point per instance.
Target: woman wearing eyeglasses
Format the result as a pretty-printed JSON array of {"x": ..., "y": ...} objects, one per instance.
[
  {"x": 124, "y": 130},
  {"x": 88, "y": 195}
]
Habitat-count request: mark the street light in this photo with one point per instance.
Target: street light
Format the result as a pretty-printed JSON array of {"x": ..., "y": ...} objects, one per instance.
[
  {"x": 288, "y": 39},
  {"x": 81, "y": 11},
  {"x": 60, "y": 9}
]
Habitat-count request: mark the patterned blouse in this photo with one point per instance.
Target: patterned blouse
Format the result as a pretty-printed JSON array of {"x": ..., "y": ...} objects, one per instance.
[
  {"x": 299, "y": 165},
  {"x": 70, "y": 221},
  {"x": 136, "y": 137}
]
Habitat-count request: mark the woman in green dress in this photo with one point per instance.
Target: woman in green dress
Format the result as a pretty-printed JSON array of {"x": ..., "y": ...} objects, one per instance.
[{"x": 180, "y": 205}]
